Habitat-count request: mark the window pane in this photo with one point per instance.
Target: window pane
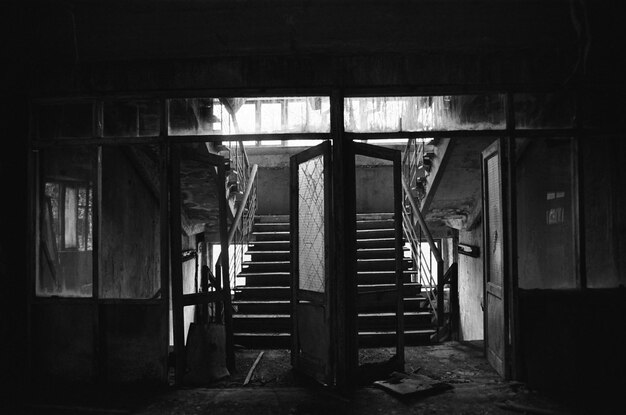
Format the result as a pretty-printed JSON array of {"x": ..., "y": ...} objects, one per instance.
[
  {"x": 65, "y": 121},
  {"x": 554, "y": 110},
  {"x": 65, "y": 256},
  {"x": 70, "y": 213},
  {"x": 545, "y": 218},
  {"x": 443, "y": 113},
  {"x": 199, "y": 116},
  {"x": 130, "y": 216},
  {"x": 131, "y": 118}
]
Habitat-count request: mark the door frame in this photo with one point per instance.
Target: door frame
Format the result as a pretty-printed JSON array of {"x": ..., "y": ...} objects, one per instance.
[{"x": 326, "y": 374}]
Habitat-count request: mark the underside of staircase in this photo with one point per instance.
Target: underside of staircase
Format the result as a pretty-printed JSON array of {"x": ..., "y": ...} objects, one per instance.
[{"x": 263, "y": 293}]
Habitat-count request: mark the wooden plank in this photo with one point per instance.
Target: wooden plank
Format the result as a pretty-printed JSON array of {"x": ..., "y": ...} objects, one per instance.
[
  {"x": 254, "y": 365},
  {"x": 202, "y": 298}
]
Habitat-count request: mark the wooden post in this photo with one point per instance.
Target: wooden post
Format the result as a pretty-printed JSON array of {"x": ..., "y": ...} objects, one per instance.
[
  {"x": 177, "y": 272},
  {"x": 98, "y": 329},
  {"x": 165, "y": 229},
  {"x": 228, "y": 310},
  {"x": 344, "y": 224},
  {"x": 510, "y": 255},
  {"x": 397, "y": 207}
]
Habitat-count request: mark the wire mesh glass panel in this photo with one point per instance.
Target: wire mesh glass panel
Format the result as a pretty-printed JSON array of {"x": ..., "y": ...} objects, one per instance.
[
  {"x": 312, "y": 264},
  {"x": 495, "y": 221}
]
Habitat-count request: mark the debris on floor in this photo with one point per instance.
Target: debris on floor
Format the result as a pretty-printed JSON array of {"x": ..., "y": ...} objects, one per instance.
[
  {"x": 206, "y": 355},
  {"x": 251, "y": 371},
  {"x": 404, "y": 385}
]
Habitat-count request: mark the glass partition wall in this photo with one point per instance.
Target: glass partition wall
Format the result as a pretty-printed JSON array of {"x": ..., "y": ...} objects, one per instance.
[{"x": 100, "y": 172}]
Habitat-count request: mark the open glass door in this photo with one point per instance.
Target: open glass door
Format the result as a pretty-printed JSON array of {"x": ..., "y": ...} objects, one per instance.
[
  {"x": 198, "y": 215},
  {"x": 312, "y": 287},
  {"x": 380, "y": 265},
  {"x": 496, "y": 323}
]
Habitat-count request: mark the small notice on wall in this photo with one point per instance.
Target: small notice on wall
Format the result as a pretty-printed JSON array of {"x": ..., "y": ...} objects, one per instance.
[{"x": 555, "y": 213}]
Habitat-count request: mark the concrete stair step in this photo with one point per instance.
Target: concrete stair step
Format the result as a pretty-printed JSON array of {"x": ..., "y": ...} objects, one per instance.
[
  {"x": 260, "y": 278},
  {"x": 374, "y": 216},
  {"x": 389, "y": 242},
  {"x": 384, "y": 264},
  {"x": 417, "y": 303},
  {"x": 377, "y": 253},
  {"x": 269, "y": 266},
  {"x": 262, "y": 307},
  {"x": 375, "y": 233},
  {"x": 271, "y": 218},
  {"x": 375, "y": 224},
  {"x": 284, "y": 306},
  {"x": 282, "y": 340},
  {"x": 387, "y": 321},
  {"x": 255, "y": 323},
  {"x": 271, "y": 226},
  {"x": 270, "y": 255},
  {"x": 262, "y": 293},
  {"x": 387, "y": 338},
  {"x": 260, "y": 246},
  {"x": 271, "y": 236}
]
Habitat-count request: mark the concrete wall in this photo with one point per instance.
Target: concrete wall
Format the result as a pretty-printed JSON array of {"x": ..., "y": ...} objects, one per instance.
[
  {"x": 374, "y": 181},
  {"x": 471, "y": 323}
]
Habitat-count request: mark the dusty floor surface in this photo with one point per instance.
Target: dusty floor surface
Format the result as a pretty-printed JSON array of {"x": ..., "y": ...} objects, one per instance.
[{"x": 273, "y": 389}]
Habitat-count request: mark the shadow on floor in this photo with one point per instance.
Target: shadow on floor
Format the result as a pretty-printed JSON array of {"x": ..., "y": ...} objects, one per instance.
[{"x": 274, "y": 389}]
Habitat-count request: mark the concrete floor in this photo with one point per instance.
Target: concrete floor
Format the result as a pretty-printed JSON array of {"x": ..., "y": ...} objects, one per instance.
[{"x": 273, "y": 389}]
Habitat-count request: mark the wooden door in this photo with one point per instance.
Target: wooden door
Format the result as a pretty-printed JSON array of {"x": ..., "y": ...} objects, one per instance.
[
  {"x": 311, "y": 239},
  {"x": 496, "y": 327},
  {"x": 396, "y": 362}
]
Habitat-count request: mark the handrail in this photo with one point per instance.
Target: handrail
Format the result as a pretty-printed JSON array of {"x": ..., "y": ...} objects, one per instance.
[
  {"x": 421, "y": 221},
  {"x": 409, "y": 230},
  {"x": 244, "y": 201}
]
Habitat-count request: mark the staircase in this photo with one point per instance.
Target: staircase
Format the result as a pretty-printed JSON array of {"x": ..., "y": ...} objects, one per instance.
[{"x": 262, "y": 294}]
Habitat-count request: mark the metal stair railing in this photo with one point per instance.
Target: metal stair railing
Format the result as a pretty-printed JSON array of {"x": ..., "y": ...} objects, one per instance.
[
  {"x": 412, "y": 160},
  {"x": 241, "y": 227},
  {"x": 243, "y": 221},
  {"x": 416, "y": 230}
]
